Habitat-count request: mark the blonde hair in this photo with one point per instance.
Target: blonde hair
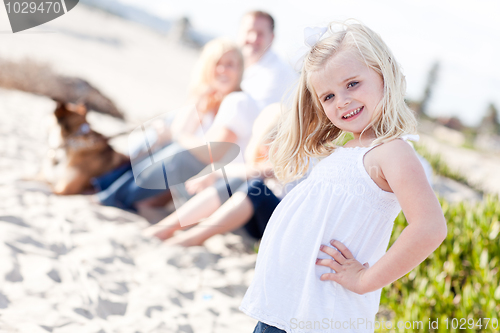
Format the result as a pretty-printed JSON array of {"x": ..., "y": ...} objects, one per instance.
[
  {"x": 264, "y": 127},
  {"x": 305, "y": 131},
  {"x": 204, "y": 70}
]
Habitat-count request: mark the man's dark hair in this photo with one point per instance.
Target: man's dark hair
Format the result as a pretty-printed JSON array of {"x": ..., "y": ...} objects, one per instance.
[{"x": 259, "y": 13}]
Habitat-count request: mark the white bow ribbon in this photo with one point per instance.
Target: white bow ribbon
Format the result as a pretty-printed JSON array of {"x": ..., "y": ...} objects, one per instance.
[{"x": 312, "y": 35}]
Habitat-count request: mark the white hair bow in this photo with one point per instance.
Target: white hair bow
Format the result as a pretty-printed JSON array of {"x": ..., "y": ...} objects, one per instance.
[{"x": 312, "y": 35}]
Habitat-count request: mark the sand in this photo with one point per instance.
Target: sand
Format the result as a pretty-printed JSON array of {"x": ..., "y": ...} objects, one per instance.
[
  {"x": 479, "y": 167},
  {"x": 73, "y": 266}
]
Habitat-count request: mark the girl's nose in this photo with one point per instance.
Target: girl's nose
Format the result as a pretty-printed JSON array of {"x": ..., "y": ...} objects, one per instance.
[{"x": 342, "y": 101}]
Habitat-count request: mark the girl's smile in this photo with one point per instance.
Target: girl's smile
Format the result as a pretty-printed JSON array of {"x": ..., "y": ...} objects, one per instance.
[
  {"x": 353, "y": 114},
  {"x": 349, "y": 92}
]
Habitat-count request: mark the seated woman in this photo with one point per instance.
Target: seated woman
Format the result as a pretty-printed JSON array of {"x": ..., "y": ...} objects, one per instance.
[
  {"x": 191, "y": 120},
  {"x": 234, "y": 110},
  {"x": 251, "y": 211}
]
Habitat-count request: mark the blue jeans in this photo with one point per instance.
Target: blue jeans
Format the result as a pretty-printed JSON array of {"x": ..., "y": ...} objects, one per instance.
[
  {"x": 265, "y": 328},
  {"x": 104, "y": 181},
  {"x": 263, "y": 200},
  {"x": 149, "y": 179},
  {"x": 264, "y": 203}
]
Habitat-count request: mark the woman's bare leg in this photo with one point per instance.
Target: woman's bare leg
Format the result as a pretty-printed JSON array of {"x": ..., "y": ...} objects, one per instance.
[
  {"x": 198, "y": 207},
  {"x": 232, "y": 215}
]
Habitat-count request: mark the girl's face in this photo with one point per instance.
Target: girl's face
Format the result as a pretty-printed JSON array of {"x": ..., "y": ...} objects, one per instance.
[
  {"x": 349, "y": 92},
  {"x": 227, "y": 73}
]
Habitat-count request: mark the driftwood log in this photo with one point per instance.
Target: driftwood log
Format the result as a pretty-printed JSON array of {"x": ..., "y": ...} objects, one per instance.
[{"x": 37, "y": 78}]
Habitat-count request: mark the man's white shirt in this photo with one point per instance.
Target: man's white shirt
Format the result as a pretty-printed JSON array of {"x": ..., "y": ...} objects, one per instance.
[{"x": 269, "y": 80}]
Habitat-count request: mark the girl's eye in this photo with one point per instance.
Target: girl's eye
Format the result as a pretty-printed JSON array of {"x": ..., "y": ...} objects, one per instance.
[
  {"x": 352, "y": 84},
  {"x": 328, "y": 97}
]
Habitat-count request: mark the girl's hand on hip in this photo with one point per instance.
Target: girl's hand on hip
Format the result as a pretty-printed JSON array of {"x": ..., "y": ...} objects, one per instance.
[{"x": 349, "y": 271}]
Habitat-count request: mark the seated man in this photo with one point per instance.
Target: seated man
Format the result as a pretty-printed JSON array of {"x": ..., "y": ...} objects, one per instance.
[{"x": 266, "y": 78}]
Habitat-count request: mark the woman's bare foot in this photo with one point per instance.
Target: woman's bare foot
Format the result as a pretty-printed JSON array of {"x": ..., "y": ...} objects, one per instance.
[
  {"x": 165, "y": 233},
  {"x": 183, "y": 240},
  {"x": 161, "y": 232}
]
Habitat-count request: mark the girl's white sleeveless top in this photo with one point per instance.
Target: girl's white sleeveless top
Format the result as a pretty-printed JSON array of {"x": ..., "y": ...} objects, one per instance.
[{"x": 338, "y": 201}]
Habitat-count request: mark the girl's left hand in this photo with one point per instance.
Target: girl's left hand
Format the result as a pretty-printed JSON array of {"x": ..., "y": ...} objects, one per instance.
[{"x": 349, "y": 271}]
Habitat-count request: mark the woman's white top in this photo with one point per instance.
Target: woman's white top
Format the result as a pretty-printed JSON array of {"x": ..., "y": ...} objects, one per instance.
[
  {"x": 237, "y": 113},
  {"x": 338, "y": 200},
  {"x": 206, "y": 122}
]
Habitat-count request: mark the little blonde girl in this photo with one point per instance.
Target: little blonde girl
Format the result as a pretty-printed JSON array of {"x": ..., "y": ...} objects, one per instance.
[{"x": 322, "y": 262}]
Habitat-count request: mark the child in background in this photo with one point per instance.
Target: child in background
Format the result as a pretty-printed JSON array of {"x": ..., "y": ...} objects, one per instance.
[
  {"x": 251, "y": 211},
  {"x": 322, "y": 262}
]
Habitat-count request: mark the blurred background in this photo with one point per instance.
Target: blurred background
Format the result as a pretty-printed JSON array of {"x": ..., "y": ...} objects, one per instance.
[
  {"x": 462, "y": 36},
  {"x": 73, "y": 266}
]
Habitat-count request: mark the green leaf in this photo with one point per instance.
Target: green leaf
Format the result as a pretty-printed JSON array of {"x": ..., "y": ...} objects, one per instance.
[{"x": 495, "y": 229}]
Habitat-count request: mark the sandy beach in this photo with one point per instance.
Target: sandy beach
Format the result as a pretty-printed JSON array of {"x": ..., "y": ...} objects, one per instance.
[{"x": 73, "y": 266}]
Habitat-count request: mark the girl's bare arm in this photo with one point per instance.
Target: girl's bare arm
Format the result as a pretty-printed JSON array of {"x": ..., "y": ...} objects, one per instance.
[{"x": 426, "y": 229}]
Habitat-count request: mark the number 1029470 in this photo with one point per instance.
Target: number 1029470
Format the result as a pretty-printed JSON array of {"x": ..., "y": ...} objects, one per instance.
[
  {"x": 33, "y": 7},
  {"x": 463, "y": 323}
]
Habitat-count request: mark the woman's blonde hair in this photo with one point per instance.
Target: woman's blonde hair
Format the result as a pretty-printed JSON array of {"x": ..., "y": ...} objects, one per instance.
[
  {"x": 305, "y": 131},
  {"x": 204, "y": 70}
]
